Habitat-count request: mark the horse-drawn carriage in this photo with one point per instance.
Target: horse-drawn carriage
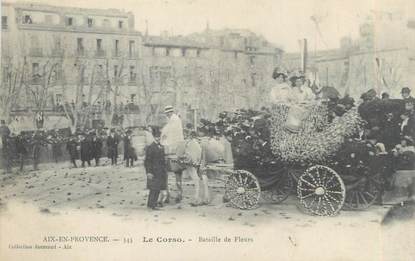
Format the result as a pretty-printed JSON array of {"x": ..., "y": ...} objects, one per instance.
[{"x": 322, "y": 162}]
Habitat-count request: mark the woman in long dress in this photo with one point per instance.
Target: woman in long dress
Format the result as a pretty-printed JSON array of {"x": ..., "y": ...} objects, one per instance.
[
  {"x": 281, "y": 89},
  {"x": 298, "y": 98}
]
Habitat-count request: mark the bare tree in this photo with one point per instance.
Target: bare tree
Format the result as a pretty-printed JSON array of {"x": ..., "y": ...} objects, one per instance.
[{"x": 13, "y": 81}]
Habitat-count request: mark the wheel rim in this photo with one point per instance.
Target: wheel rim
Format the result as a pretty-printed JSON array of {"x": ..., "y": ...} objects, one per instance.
[
  {"x": 242, "y": 190},
  {"x": 321, "y": 191},
  {"x": 363, "y": 196}
]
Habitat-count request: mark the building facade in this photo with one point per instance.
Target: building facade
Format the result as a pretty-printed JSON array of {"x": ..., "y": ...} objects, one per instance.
[
  {"x": 380, "y": 58},
  {"x": 94, "y": 60}
]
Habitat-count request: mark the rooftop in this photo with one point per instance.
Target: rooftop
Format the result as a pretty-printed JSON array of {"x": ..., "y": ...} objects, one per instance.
[{"x": 66, "y": 9}]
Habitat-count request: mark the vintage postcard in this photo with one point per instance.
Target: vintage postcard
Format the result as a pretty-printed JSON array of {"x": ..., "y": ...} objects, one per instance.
[{"x": 207, "y": 130}]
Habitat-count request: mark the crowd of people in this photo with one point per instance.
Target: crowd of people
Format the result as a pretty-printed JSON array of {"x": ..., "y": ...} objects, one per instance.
[
  {"x": 82, "y": 147},
  {"x": 241, "y": 139}
]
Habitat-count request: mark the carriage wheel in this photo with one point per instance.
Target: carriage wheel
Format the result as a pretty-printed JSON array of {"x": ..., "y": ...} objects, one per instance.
[
  {"x": 363, "y": 195},
  {"x": 321, "y": 190},
  {"x": 242, "y": 190},
  {"x": 280, "y": 190}
]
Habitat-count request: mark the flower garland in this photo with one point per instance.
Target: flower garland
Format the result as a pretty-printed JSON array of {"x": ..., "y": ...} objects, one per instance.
[{"x": 317, "y": 141}]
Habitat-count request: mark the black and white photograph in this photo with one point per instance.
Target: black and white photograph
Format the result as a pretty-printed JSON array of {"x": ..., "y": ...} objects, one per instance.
[{"x": 207, "y": 130}]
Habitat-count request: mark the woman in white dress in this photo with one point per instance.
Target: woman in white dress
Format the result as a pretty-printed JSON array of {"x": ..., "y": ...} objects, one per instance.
[
  {"x": 299, "y": 97},
  {"x": 281, "y": 89}
]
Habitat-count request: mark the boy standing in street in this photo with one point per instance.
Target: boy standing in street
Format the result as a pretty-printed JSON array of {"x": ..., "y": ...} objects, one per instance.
[{"x": 156, "y": 169}]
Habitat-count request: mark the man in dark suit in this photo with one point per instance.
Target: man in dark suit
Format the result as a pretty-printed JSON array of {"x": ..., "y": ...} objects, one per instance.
[
  {"x": 72, "y": 150},
  {"x": 156, "y": 169},
  {"x": 85, "y": 150},
  {"x": 129, "y": 153},
  {"x": 96, "y": 149},
  {"x": 112, "y": 146}
]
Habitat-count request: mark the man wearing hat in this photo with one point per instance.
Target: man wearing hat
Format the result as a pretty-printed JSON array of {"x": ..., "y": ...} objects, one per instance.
[
  {"x": 171, "y": 137},
  {"x": 96, "y": 148},
  {"x": 156, "y": 169},
  {"x": 129, "y": 152},
  {"x": 5, "y": 133},
  {"x": 112, "y": 145}
]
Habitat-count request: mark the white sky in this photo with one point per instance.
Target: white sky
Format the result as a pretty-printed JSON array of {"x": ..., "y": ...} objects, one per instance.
[{"x": 281, "y": 21}]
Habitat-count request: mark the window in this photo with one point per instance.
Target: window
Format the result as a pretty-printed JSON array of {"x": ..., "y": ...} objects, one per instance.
[
  {"x": 132, "y": 97},
  {"x": 116, "y": 47},
  {"x": 48, "y": 19},
  {"x": 99, "y": 44},
  {"x": 120, "y": 24},
  {"x": 79, "y": 45},
  {"x": 167, "y": 51},
  {"x": 59, "y": 98},
  {"x": 27, "y": 19},
  {"x": 69, "y": 21},
  {"x": 132, "y": 74},
  {"x": 198, "y": 52},
  {"x": 221, "y": 41},
  {"x": 235, "y": 55},
  {"x": 253, "y": 80},
  {"x": 131, "y": 48},
  {"x": 35, "y": 70},
  {"x": 4, "y": 22},
  {"x": 115, "y": 71},
  {"x": 90, "y": 22},
  {"x": 252, "y": 60},
  {"x": 183, "y": 52}
]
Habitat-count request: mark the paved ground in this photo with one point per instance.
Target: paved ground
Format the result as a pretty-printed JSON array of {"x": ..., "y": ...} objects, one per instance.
[{"x": 112, "y": 200}]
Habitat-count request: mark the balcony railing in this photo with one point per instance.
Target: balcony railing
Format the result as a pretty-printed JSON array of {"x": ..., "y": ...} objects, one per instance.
[
  {"x": 117, "y": 53},
  {"x": 80, "y": 52},
  {"x": 36, "y": 52},
  {"x": 132, "y": 82},
  {"x": 36, "y": 80},
  {"x": 132, "y": 55},
  {"x": 100, "y": 53},
  {"x": 58, "y": 52}
]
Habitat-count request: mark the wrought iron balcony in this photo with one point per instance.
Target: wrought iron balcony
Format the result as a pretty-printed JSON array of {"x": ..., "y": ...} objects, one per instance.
[
  {"x": 100, "y": 53},
  {"x": 57, "y": 52},
  {"x": 80, "y": 52},
  {"x": 37, "y": 52}
]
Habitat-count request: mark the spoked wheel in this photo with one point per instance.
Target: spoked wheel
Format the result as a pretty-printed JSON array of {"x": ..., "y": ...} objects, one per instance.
[
  {"x": 242, "y": 190},
  {"x": 321, "y": 191},
  {"x": 364, "y": 193},
  {"x": 280, "y": 190}
]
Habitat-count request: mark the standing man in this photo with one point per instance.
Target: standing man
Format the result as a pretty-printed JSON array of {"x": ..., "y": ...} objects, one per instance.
[
  {"x": 112, "y": 145},
  {"x": 37, "y": 146},
  {"x": 129, "y": 153},
  {"x": 171, "y": 137},
  {"x": 71, "y": 146},
  {"x": 56, "y": 145},
  {"x": 96, "y": 149},
  {"x": 85, "y": 150},
  {"x": 156, "y": 170},
  {"x": 5, "y": 133},
  {"x": 21, "y": 148}
]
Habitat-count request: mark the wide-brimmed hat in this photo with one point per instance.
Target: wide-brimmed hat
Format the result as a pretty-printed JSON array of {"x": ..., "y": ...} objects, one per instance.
[
  {"x": 168, "y": 109},
  {"x": 156, "y": 131},
  {"x": 406, "y": 90}
]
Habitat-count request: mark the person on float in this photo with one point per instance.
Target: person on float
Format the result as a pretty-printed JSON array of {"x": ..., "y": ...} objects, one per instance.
[
  {"x": 280, "y": 89},
  {"x": 299, "y": 97},
  {"x": 406, "y": 95},
  {"x": 171, "y": 137}
]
